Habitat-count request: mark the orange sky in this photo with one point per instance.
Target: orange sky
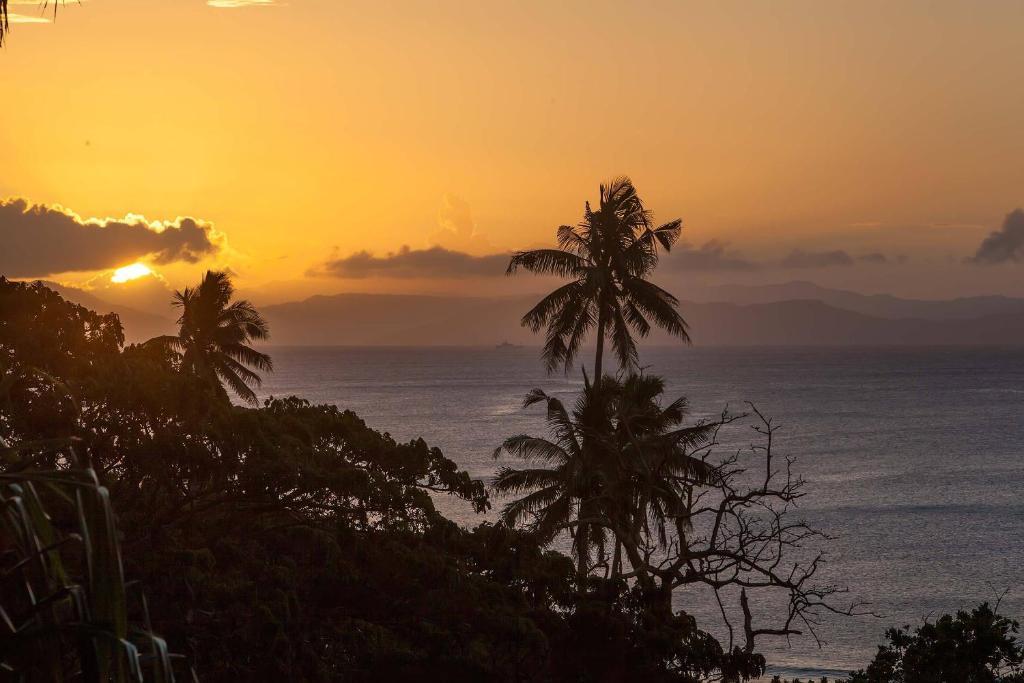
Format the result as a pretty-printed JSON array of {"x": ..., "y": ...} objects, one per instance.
[{"x": 307, "y": 128}]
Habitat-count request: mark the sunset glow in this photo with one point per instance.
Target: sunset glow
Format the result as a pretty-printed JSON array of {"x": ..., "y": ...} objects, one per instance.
[
  {"x": 132, "y": 272},
  {"x": 450, "y": 339},
  {"x": 730, "y": 127}
]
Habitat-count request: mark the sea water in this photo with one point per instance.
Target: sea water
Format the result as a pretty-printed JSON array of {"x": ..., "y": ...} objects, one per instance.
[{"x": 914, "y": 458}]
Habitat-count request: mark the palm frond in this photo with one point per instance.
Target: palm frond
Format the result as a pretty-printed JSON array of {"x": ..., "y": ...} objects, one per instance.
[
  {"x": 658, "y": 305},
  {"x": 568, "y": 328},
  {"x": 669, "y": 233},
  {"x": 243, "y": 315},
  {"x": 531, "y": 449},
  {"x": 251, "y": 379},
  {"x": 228, "y": 371},
  {"x": 547, "y": 262},
  {"x": 556, "y": 517},
  {"x": 622, "y": 341},
  {"x": 510, "y": 480},
  {"x": 548, "y": 307},
  {"x": 516, "y": 511},
  {"x": 167, "y": 341},
  {"x": 249, "y": 356},
  {"x": 570, "y": 239}
]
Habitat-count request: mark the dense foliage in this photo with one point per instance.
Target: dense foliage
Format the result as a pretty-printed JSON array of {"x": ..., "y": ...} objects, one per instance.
[
  {"x": 292, "y": 542},
  {"x": 979, "y": 646}
]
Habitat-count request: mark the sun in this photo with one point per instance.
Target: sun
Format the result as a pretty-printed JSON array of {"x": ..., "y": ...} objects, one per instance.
[{"x": 132, "y": 272}]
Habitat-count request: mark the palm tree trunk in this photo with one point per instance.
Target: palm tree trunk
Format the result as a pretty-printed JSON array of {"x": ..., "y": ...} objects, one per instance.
[{"x": 600, "y": 346}]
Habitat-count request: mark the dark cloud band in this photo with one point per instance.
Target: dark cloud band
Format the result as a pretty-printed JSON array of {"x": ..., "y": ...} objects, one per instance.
[
  {"x": 440, "y": 263},
  {"x": 436, "y": 262},
  {"x": 40, "y": 240},
  {"x": 798, "y": 258},
  {"x": 713, "y": 255}
]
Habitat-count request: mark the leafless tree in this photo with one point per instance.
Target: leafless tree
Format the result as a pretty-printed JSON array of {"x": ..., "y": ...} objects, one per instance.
[{"x": 738, "y": 536}]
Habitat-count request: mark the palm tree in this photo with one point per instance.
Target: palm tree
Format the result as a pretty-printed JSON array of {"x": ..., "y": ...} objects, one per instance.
[
  {"x": 607, "y": 258},
  {"x": 620, "y": 462},
  {"x": 215, "y": 333},
  {"x": 563, "y": 484}
]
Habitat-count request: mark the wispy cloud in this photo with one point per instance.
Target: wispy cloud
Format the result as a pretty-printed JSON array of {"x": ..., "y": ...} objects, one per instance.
[
  {"x": 456, "y": 228},
  {"x": 26, "y": 19}
]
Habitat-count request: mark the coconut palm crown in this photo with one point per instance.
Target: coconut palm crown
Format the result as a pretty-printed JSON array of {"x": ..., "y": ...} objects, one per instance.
[
  {"x": 607, "y": 258},
  {"x": 215, "y": 333},
  {"x": 618, "y": 462}
]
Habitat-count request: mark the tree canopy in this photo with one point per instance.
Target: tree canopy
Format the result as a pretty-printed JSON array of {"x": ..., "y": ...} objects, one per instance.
[{"x": 290, "y": 541}]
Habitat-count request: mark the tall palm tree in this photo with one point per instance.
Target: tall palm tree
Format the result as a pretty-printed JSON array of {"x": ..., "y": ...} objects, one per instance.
[
  {"x": 619, "y": 463},
  {"x": 214, "y": 336},
  {"x": 607, "y": 258}
]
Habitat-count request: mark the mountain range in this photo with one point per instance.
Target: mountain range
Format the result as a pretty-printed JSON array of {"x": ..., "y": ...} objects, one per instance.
[
  {"x": 795, "y": 313},
  {"x": 138, "y": 325},
  {"x": 877, "y": 305}
]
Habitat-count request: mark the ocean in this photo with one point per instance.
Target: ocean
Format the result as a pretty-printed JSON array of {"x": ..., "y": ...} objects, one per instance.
[{"x": 914, "y": 458}]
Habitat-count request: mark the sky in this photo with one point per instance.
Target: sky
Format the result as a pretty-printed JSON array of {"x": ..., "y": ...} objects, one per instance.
[{"x": 322, "y": 146}]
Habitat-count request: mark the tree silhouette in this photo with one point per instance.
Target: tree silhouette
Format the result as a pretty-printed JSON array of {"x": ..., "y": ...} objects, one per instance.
[
  {"x": 215, "y": 333},
  {"x": 979, "y": 646},
  {"x": 564, "y": 484},
  {"x": 607, "y": 258},
  {"x": 656, "y": 467},
  {"x": 624, "y": 467},
  {"x": 618, "y": 464}
]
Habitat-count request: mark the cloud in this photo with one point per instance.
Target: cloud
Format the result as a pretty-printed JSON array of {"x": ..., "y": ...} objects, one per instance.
[
  {"x": 456, "y": 228},
  {"x": 435, "y": 262},
  {"x": 26, "y": 19},
  {"x": 874, "y": 257},
  {"x": 42, "y": 240},
  {"x": 713, "y": 255},
  {"x": 1005, "y": 245},
  {"x": 798, "y": 258}
]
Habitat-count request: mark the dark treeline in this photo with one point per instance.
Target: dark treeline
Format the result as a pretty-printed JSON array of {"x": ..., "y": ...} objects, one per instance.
[{"x": 290, "y": 542}]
